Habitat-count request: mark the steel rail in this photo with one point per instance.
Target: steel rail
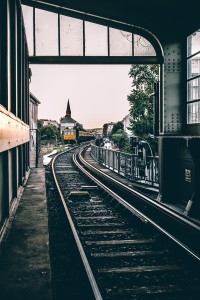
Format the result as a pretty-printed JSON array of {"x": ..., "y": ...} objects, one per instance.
[
  {"x": 89, "y": 272},
  {"x": 137, "y": 193},
  {"x": 132, "y": 209}
]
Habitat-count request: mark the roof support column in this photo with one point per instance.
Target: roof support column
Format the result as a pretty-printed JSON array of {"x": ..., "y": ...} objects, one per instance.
[{"x": 174, "y": 93}]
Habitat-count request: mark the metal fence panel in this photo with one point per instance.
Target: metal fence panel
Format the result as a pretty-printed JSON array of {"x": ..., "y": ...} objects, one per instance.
[{"x": 128, "y": 165}]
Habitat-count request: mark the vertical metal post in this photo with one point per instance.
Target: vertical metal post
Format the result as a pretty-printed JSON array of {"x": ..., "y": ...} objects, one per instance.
[
  {"x": 99, "y": 154},
  {"x": 132, "y": 166},
  {"x": 161, "y": 101},
  {"x": 108, "y": 39},
  {"x": 58, "y": 34},
  {"x": 113, "y": 157},
  {"x": 118, "y": 162},
  {"x": 34, "y": 39},
  {"x": 83, "y": 38},
  {"x": 152, "y": 170},
  {"x": 156, "y": 108},
  {"x": 125, "y": 165},
  {"x": 132, "y": 44}
]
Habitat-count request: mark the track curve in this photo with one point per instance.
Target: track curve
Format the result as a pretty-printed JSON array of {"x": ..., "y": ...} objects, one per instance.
[
  {"x": 124, "y": 257},
  {"x": 184, "y": 231}
]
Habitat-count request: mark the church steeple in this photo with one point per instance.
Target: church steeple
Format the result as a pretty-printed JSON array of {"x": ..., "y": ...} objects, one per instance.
[{"x": 68, "y": 110}]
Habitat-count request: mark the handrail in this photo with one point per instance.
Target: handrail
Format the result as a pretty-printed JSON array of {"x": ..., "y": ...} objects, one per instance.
[{"x": 128, "y": 165}]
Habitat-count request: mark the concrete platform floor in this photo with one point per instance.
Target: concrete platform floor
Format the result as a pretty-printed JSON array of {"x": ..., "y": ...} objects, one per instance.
[{"x": 25, "y": 271}]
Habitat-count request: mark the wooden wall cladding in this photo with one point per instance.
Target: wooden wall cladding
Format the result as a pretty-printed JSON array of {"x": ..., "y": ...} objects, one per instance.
[{"x": 13, "y": 132}]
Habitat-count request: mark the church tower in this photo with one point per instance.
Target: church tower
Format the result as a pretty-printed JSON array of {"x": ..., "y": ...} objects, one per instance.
[
  {"x": 68, "y": 110},
  {"x": 67, "y": 122}
]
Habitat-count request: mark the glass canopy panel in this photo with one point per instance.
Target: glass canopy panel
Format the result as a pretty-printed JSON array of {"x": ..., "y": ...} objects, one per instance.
[
  {"x": 120, "y": 42},
  {"x": 28, "y": 22},
  {"x": 194, "y": 66},
  {"x": 194, "y": 113},
  {"x": 143, "y": 47},
  {"x": 194, "y": 89},
  {"x": 193, "y": 42},
  {"x": 96, "y": 40},
  {"x": 71, "y": 36},
  {"x": 46, "y": 32}
]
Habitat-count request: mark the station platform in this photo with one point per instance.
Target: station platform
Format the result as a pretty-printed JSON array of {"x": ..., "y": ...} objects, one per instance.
[{"x": 25, "y": 271}]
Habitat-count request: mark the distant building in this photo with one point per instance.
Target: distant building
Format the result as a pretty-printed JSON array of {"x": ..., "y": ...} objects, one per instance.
[
  {"x": 127, "y": 124},
  {"x": 33, "y": 108},
  {"x": 98, "y": 132},
  {"x": 110, "y": 127},
  {"x": 46, "y": 122},
  {"x": 33, "y": 118},
  {"x": 107, "y": 128},
  {"x": 67, "y": 121}
]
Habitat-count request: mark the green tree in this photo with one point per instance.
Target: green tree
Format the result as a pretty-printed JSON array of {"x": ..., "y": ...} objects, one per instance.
[
  {"x": 116, "y": 127},
  {"x": 49, "y": 132},
  {"x": 121, "y": 140},
  {"x": 105, "y": 129},
  {"x": 141, "y": 100},
  {"x": 39, "y": 124}
]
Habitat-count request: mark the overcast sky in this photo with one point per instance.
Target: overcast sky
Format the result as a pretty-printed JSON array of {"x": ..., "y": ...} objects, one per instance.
[{"x": 97, "y": 93}]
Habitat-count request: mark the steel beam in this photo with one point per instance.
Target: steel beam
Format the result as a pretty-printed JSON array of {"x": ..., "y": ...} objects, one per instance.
[{"x": 94, "y": 60}]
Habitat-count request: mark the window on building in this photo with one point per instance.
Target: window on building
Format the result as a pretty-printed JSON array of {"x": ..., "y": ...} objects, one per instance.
[{"x": 193, "y": 78}]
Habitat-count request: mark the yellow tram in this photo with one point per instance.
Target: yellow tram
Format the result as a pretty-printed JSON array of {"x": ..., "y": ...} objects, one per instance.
[{"x": 71, "y": 135}]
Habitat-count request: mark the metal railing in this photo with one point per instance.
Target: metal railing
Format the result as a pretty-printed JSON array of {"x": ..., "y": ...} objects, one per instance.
[{"x": 128, "y": 165}]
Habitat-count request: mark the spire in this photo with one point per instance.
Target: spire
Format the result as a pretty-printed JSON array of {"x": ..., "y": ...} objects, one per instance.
[{"x": 68, "y": 110}]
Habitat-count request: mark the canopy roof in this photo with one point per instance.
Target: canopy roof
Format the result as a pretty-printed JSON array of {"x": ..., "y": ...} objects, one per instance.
[{"x": 173, "y": 16}]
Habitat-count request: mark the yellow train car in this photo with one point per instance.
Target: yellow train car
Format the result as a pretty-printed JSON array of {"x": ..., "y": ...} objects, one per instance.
[{"x": 69, "y": 136}]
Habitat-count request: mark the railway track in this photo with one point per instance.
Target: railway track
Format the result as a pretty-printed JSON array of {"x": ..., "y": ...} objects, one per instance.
[
  {"x": 124, "y": 257},
  {"x": 183, "y": 230}
]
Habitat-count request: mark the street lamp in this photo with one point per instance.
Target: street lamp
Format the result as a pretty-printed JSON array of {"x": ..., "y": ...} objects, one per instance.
[
  {"x": 150, "y": 149},
  {"x": 134, "y": 142}
]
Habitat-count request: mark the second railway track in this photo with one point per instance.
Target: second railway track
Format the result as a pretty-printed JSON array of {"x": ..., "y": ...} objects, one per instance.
[{"x": 125, "y": 258}]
